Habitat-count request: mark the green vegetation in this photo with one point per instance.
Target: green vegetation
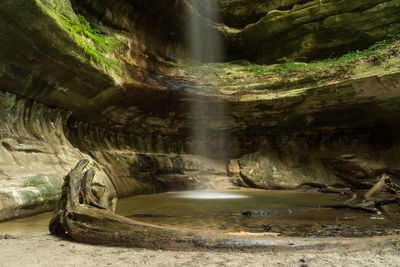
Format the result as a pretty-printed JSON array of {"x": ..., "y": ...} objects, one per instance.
[
  {"x": 316, "y": 71},
  {"x": 95, "y": 44},
  {"x": 172, "y": 63},
  {"x": 378, "y": 53}
]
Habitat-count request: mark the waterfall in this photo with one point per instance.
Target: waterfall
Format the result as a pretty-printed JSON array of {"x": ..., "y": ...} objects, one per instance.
[
  {"x": 207, "y": 110},
  {"x": 205, "y": 42}
]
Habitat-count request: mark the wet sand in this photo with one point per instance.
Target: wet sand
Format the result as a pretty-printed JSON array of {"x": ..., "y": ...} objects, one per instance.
[{"x": 47, "y": 250}]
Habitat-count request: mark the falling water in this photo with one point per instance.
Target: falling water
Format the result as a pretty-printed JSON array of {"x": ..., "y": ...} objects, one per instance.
[
  {"x": 205, "y": 43},
  {"x": 207, "y": 109}
]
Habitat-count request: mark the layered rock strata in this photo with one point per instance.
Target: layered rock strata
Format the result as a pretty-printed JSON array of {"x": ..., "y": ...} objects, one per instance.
[
  {"x": 100, "y": 81},
  {"x": 34, "y": 155}
]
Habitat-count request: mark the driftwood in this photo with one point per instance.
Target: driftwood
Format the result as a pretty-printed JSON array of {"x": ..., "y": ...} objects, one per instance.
[
  {"x": 385, "y": 195},
  {"x": 371, "y": 203},
  {"x": 380, "y": 186},
  {"x": 324, "y": 188},
  {"x": 361, "y": 207},
  {"x": 88, "y": 218}
]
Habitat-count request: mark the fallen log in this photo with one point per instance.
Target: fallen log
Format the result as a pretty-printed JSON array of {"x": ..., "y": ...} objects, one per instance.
[
  {"x": 371, "y": 203},
  {"x": 330, "y": 189},
  {"x": 378, "y": 187},
  {"x": 88, "y": 218},
  {"x": 267, "y": 212},
  {"x": 353, "y": 207}
]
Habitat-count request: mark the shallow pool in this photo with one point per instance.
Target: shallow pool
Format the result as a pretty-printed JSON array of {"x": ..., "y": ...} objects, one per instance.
[{"x": 287, "y": 213}]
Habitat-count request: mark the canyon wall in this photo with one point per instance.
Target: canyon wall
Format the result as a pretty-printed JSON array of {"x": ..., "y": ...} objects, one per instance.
[{"x": 112, "y": 82}]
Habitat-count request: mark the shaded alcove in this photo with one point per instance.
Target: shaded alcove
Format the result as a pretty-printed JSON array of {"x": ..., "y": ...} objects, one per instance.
[{"x": 300, "y": 129}]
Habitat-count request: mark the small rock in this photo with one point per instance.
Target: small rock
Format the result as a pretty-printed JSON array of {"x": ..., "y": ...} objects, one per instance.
[
  {"x": 266, "y": 227},
  {"x": 377, "y": 218},
  {"x": 7, "y": 237}
]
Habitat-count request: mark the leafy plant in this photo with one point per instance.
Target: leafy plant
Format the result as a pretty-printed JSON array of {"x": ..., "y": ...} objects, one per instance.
[
  {"x": 172, "y": 63},
  {"x": 91, "y": 40},
  {"x": 289, "y": 64}
]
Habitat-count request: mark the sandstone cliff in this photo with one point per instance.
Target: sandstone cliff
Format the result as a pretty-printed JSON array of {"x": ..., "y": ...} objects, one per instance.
[{"x": 113, "y": 82}]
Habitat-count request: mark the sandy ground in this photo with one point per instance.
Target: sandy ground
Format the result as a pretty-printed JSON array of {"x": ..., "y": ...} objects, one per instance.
[{"x": 46, "y": 250}]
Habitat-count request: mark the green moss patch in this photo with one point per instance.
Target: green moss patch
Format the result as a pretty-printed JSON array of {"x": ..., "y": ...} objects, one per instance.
[
  {"x": 288, "y": 73},
  {"x": 48, "y": 185},
  {"x": 95, "y": 44}
]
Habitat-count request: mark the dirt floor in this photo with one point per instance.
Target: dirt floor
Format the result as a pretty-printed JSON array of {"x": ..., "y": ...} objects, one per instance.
[{"x": 46, "y": 250}]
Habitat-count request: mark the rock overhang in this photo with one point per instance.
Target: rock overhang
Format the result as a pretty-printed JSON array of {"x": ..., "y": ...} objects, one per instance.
[{"x": 149, "y": 91}]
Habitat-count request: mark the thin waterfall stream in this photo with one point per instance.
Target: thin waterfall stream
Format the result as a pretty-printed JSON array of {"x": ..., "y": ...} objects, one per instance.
[{"x": 208, "y": 113}]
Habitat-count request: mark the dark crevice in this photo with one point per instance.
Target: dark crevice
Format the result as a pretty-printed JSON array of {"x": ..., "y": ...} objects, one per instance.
[{"x": 10, "y": 147}]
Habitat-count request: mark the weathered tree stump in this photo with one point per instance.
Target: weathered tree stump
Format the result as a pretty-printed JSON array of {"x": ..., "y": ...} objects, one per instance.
[{"x": 88, "y": 218}]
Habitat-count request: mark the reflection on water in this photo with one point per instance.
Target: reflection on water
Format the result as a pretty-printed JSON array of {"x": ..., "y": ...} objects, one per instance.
[
  {"x": 286, "y": 212},
  {"x": 212, "y": 203},
  {"x": 210, "y": 195}
]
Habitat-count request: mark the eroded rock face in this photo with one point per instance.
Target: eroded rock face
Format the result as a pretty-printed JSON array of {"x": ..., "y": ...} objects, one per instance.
[
  {"x": 113, "y": 97},
  {"x": 346, "y": 130},
  {"x": 239, "y": 13},
  {"x": 34, "y": 154},
  {"x": 264, "y": 31},
  {"x": 317, "y": 29}
]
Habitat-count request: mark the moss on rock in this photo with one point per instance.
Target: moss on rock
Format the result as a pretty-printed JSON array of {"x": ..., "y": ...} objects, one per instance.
[
  {"x": 316, "y": 29},
  {"x": 48, "y": 185}
]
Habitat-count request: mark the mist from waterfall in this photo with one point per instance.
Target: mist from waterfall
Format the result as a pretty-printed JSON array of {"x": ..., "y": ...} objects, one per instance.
[{"x": 207, "y": 110}]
